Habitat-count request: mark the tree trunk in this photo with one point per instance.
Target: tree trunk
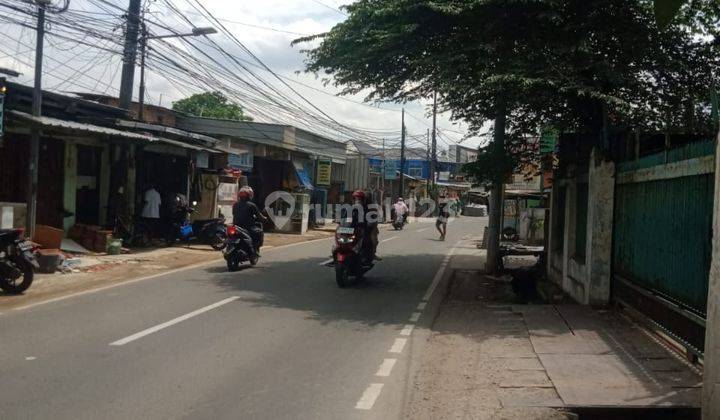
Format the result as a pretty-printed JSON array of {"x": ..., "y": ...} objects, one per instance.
[{"x": 496, "y": 194}]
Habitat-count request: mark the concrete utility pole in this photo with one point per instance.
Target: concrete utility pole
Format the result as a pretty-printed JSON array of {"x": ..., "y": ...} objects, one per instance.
[
  {"x": 433, "y": 163},
  {"x": 427, "y": 156},
  {"x": 402, "y": 156},
  {"x": 35, "y": 128},
  {"x": 132, "y": 29},
  {"x": 143, "y": 52}
]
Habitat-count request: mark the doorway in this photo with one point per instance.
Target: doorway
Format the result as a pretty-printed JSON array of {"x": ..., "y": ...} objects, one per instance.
[{"x": 87, "y": 199}]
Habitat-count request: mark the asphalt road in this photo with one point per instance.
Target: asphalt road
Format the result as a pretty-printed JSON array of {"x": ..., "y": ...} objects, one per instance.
[{"x": 277, "y": 341}]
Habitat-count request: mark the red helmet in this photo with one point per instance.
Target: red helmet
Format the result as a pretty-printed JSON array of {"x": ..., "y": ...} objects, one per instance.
[
  {"x": 359, "y": 194},
  {"x": 243, "y": 195}
]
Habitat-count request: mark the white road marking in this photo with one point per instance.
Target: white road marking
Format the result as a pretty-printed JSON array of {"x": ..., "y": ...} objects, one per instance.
[
  {"x": 407, "y": 330},
  {"x": 398, "y": 345},
  {"x": 368, "y": 398},
  {"x": 438, "y": 275},
  {"x": 172, "y": 322},
  {"x": 152, "y": 276},
  {"x": 421, "y": 306},
  {"x": 415, "y": 317},
  {"x": 326, "y": 262},
  {"x": 31, "y": 358},
  {"x": 423, "y": 229},
  {"x": 386, "y": 368},
  {"x": 388, "y": 239}
]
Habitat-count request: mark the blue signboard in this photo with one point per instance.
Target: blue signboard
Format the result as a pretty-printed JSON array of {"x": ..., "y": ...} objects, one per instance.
[{"x": 391, "y": 169}]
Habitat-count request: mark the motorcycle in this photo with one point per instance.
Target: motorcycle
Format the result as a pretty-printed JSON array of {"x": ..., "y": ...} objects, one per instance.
[
  {"x": 350, "y": 257},
  {"x": 398, "y": 222},
  {"x": 17, "y": 262},
  {"x": 211, "y": 231},
  {"x": 237, "y": 250}
]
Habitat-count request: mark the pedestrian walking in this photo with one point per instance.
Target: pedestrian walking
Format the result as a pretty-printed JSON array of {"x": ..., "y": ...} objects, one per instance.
[{"x": 442, "y": 217}]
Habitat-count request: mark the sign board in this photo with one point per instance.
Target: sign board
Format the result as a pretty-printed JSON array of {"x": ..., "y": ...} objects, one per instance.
[
  {"x": 443, "y": 176},
  {"x": 240, "y": 161},
  {"x": 324, "y": 167},
  {"x": 390, "y": 169},
  {"x": 227, "y": 192},
  {"x": 202, "y": 160},
  {"x": 548, "y": 140}
]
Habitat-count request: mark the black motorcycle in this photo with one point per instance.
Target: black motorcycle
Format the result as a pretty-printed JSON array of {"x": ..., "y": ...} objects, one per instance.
[
  {"x": 211, "y": 231},
  {"x": 17, "y": 262},
  {"x": 238, "y": 249}
]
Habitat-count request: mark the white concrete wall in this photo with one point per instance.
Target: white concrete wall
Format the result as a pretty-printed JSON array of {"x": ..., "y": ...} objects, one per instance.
[
  {"x": 711, "y": 374},
  {"x": 586, "y": 280}
]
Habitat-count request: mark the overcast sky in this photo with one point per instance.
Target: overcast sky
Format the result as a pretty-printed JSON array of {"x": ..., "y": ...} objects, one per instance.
[{"x": 252, "y": 22}]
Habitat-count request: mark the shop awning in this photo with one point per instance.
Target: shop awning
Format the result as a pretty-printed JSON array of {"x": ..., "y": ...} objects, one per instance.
[{"x": 77, "y": 127}]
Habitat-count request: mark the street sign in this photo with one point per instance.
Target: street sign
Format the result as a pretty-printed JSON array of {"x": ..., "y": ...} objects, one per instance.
[
  {"x": 548, "y": 140},
  {"x": 324, "y": 167},
  {"x": 390, "y": 169}
]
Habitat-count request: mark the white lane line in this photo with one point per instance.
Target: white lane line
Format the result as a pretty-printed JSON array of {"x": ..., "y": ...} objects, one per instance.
[
  {"x": 388, "y": 239},
  {"x": 438, "y": 275},
  {"x": 153, "y": 276},
  {"x": 386, "y": 368},
  {"x": 415, "y": 317},
  {"x": 30, "y": 358},
  {"x": 398, "y": 345},
  {"x": 368, "y": 398},
  {"x": 407, "y": 329},
  {"x": 423, "y": 229},
  {"x": 172, "y": 322},
  {"x": 421, "y": 306},
  {"x": 326, "y": 262}
]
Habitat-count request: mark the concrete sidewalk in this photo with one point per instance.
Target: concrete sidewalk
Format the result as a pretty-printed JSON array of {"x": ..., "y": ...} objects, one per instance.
[
  {"x": 490, "y": 356},
  {"x": 98, "y": 271}
]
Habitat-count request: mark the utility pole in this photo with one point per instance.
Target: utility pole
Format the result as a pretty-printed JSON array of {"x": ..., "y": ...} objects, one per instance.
[
  {"x": 433, "y": 162},
  {"x": 402, "y": 156},
  {"x": 143, "y": 51},
  {"x": 129, "y": 52},
  {"x": 427, "y": 156},
  {"x": 35, "y": 129}
]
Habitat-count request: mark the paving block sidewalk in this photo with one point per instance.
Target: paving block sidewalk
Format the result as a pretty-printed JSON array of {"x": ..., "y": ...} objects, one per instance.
[
  {"x": 97, "y": 271},
  {"x": 491, "y": 357}
]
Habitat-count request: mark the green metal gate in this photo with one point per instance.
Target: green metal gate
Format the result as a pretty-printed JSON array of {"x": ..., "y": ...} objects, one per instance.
[{"x": 662, "y": 244}]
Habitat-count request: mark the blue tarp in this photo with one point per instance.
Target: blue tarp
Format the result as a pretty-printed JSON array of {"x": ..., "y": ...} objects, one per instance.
[{"x": 304, "y": 178}]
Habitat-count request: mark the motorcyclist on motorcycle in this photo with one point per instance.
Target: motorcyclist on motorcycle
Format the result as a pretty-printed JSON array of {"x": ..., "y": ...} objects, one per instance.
[
  {"x": 246, "y": 214},
  {"x": 401, "y": 209},
  {"x": 368, "y": 220}
]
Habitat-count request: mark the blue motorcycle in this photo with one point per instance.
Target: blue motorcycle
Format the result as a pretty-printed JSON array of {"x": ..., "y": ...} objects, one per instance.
[{"x": 212, "y": 231}]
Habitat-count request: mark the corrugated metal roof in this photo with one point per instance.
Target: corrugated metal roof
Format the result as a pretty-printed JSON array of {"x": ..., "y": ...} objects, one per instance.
[{"x": 96, "y": 129}]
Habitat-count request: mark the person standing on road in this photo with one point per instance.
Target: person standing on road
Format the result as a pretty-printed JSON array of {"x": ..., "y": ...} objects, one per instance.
[{"x": 442, "y": 217}]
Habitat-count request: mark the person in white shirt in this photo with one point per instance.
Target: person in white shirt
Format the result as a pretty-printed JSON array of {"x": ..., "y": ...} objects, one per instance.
[
  {"x": 400, "y": 208},
  {"x": 151, "y": 206}
]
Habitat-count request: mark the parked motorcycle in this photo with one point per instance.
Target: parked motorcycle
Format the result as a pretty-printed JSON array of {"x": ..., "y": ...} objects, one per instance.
[
  {"x": 350, "y": 256},
  {"x": 17, "y": 262},
  {"x": 237, "y": 249},
  {"x": 211, "y": 231}
]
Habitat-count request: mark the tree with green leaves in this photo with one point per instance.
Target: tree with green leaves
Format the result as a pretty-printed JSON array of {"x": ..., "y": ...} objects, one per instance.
[
  {"x": 523, "y": 64},
  {"x": 211, "y": 105}
]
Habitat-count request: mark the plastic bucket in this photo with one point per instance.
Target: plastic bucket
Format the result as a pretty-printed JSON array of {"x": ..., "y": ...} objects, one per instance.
[{"x": 114, "y": 246}]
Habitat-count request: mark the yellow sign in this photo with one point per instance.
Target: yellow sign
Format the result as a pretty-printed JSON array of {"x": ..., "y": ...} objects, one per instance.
[{"x": 323, "y": 172}]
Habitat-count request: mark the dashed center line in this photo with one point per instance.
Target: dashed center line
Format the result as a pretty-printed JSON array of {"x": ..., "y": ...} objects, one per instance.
[
  {"x": 398, "y": 345},
  {"x": 369, "y": 397},
  {"x": 389, "y": 239},
  {"x": 415, "y": 317},
  {"x": 326, "y": 262},
  {"x": 386, "y": 367},
  {"x": 423, "y": 229},
  {"x": 172, "y": 322},
  {"x": 407, "y": 330},
  {"x": 421, "y": 306}
]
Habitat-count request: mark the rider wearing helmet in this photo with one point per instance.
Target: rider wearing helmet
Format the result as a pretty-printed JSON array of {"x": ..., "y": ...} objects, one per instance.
[
  {"x": 368, "y": 219},
  {"x": 246, "y": 214}
]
